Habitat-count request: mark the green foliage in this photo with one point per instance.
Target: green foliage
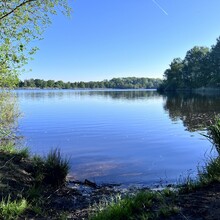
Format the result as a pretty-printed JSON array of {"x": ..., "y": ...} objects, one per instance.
[
  {"x": 34, "y": 193},
  {"x": 21, "y": 22},
  {"x": 199, "y": 69},
  {"x": 213, "y": 134},
  {"x": 8, "y": 148},
  {"x": 144, "y": 205},
  {"x": 12, "y": 209},
  {"x": 9, "y": 114},
  {"x": 210, "y": 172},
  {"x": 188, "y": 185},
  {"x": 51, "y": 169},
  {"x": 167, "y": 210},
  {"x": 115, "y": 83},
  {"x": 36, "y": 209},
  {"x": 13, "y": 150},
  {"x": 56, "y": 168},
  {"x": 23, "y": 152}
]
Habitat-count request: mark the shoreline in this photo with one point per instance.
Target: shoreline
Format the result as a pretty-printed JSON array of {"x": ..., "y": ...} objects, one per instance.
[{"x": 84, "y": 200}]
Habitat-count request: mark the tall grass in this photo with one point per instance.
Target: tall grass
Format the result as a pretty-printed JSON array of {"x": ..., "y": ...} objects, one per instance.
[
  {"x": 211, "y": 170},
  {"x": 56, "y": 168},
  {"x": 213, "y": 134}
]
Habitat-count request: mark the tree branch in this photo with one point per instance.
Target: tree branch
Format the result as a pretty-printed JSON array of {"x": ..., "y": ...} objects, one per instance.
[{"x": 13, "y": 10}]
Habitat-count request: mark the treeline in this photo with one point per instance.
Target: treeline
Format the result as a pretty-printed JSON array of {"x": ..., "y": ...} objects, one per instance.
[
  {"x": 200, "y": 68},
  {"x": 115, "y": 83}
]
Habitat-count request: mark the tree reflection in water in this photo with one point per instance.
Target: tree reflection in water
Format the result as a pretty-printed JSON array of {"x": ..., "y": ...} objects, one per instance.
[{"x": 197, "y": 111}]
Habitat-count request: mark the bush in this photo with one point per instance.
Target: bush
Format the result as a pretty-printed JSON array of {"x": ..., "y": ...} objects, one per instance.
[{"x": 56, "y": 168}]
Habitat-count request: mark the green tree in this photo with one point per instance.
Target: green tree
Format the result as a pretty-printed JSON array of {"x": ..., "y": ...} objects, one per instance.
[
  {"x": 193, "y": 67},
  {"x": 31, "y": 83},
  {"x": 174, "y": 75},
  {"x": 213, "y": 62},
  {"x": 38, "y": 83},
  {"x": 59, "y": 84},
  {"x": 21, "y": 22},
  {"x": 50, "y": 83}
]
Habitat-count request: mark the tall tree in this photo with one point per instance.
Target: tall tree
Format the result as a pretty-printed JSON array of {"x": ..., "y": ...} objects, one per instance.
[
  {"x": 193, "y": 67},
  {"x": 174, "y": 75},
  {"x": 21, "y": 22},
  {"x": 214, "y": 64}
]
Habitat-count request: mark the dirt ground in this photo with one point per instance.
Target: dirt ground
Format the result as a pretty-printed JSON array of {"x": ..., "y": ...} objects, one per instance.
[{"x": 201, "y": 204}]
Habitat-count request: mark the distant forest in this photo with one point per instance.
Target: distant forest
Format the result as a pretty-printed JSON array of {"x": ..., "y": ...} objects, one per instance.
[
  {"x": 199, "y": 69},
  {"x": 115, "y": 83}
]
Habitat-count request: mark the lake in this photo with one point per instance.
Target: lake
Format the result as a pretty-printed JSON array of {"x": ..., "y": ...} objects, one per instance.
[{"x": 127, "y": 136}]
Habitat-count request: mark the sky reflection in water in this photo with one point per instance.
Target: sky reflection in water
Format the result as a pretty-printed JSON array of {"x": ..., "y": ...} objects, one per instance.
[{"x": 130, "y": 137}]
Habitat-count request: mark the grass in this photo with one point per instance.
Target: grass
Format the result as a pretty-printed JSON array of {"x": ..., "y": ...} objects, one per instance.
[
  {"x": 50, "y": 170},
  {"x": 213, "y": 134},
  {"x": 210, "y": 172},
  {"x": 207, "y": 174},
  {"x": 12, "y": 209},
  {"x": 10, "y": 148},
  {"x": 33, "y": 178},
  {"x": 56, "y": 168},
  {"x": 143, "y": 205}
]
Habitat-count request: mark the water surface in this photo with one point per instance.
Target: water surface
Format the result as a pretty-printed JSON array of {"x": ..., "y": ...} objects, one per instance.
[{"x": 130, "y": 137}]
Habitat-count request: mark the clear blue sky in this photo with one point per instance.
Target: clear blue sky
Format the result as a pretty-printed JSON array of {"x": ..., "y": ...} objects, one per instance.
[{"x": 116, "y": 38}]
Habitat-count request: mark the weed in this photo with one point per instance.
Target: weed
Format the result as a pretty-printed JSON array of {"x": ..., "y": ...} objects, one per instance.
[
  {"x": 12, "y": 149},
  {"x": 12, "y": 209},
  {"x": 167, "y": 192},
  {"x": 23, "y": 152},
  {"x": 38, "y": 169},
  {"x": 56, "y": 168},
  {"x": 167, "y": 210},
  {"x": 213, "y": 134},
  {"x": 210, "y": 172},
  {"x": 8, "y": 148},
  {"x": 140, "y": 206},
  {"x": 36, "y": 209},
  {"x": 34, "y": 192}
]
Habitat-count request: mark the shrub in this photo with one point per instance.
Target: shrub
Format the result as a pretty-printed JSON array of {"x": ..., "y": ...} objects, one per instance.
[{"x": 56, "y": 168}]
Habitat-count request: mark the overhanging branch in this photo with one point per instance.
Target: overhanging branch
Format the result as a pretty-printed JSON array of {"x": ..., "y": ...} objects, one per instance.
[{"x": 16, "y": 8}]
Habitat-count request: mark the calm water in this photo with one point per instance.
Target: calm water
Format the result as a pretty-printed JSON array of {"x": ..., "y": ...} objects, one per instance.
[{"x": 130, "y": 137}]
